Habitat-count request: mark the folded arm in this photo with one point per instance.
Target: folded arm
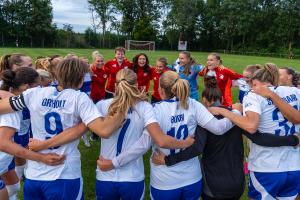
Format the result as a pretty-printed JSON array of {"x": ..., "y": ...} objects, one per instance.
[
  {"x": 8, "y": 146},
  {"x": 195, "y": 150}
]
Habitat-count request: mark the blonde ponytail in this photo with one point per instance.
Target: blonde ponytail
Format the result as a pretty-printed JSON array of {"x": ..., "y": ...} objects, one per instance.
[
  {"x": 127, "y": 93},
  {"x": 269, "y": 73},
  {"x": 96, "y": 54},
  {"x": 42, "y": 63},
  {"x": 174, "y": 86},
  {"x": 273, "y": 71}
]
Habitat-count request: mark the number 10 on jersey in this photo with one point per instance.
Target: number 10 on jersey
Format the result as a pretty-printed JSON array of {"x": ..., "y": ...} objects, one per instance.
[{"x": 181, "y": 133}]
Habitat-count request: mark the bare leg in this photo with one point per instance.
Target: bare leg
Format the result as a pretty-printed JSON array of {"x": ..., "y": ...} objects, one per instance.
[{"x": 12, "y": 183}]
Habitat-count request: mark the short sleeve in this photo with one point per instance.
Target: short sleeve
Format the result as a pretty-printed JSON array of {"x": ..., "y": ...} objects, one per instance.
[
  {"x": 23, "y": 100},
  {"x": 237, "y": 83},
  {"x": 28, "y": 94},
  {"x": 146, "y": 132},
  {"x": 251, "y": 103},
  {"x": 148, "y": 114},
  {"x": 12, "y": 120},
  {"x": 157, "y": 112},
  {"x": 203, "y": 116},
  {"x": 103, "y": 106},
  {"x": 87, "y": 109}
]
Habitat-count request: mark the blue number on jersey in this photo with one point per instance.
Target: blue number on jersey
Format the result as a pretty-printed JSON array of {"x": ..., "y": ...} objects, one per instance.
[
  {"x": 58, "y": 125},
  {"x": 122, "y": 135},
  {"x": 182, "y": 133},
  {"x": 288, "y": 129},
  {"x": 25, "y": 113}
]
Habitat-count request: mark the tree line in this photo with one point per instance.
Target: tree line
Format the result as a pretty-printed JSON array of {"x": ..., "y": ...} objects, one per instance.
[{"x": 207, "y": 25}]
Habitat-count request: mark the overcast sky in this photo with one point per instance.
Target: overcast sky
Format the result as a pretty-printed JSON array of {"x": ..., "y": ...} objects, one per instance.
[{"x": 74, "y": 12}]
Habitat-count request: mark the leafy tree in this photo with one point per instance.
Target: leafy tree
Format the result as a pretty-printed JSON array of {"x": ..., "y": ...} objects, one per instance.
[
  {"x": 103, "y": 11},
  {"x": 91, "y": 37},
  {"x": 288, "y": 24},
  {"x": 184, "y": 18},
  {"x": 39, "y": 24},
  {"x": 139, "y": 18}
]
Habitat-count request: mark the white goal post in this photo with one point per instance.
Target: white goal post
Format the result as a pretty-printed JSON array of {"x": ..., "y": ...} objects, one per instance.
[{"x": 139, "y": 45}]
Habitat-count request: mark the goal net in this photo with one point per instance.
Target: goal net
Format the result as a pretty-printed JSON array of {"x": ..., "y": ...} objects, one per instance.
[{"x": 139, "y": 45}]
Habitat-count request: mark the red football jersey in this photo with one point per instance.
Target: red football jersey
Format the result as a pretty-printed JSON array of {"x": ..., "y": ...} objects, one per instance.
[
  {"x": 112, "y": 67},
  {"x": 155, "y": 77},
  {"x": 224, "y": 79},
  {"x": 99, "y": 77},
  {"x": 143, "y": 78}
]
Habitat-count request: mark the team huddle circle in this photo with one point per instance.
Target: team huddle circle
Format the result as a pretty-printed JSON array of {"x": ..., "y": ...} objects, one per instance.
[{"x": 184, "y": 112}]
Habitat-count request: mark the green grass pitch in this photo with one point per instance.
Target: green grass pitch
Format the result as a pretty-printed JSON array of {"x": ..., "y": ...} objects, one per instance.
[{"x": 90, "y": 155}]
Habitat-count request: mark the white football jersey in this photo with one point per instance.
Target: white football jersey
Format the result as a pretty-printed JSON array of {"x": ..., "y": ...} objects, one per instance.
[
  {"x": 273, "y": 159},
  {"x": 242, "y": 84},
  {"x": 11, "y": 120},
  {"x": 51, "y": 113},
  {"x": 140, "y": 116},
  {"x": 177, "y": 65},
  {"x": 211, "y": 73},
  {"x": 178, "y": 123},
  {"x": 86, "y": 86},
  {"x": 25, "y": 123}
]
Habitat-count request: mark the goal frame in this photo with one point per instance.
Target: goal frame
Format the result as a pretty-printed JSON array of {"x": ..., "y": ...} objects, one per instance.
[{"x": 140, "y": 43}]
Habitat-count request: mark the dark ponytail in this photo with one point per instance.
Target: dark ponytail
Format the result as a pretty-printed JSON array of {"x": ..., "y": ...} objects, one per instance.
[
  {"x": 212, "y": 93},
  {"x": 7, "y": 61},
  {"x": 4, "y": 63},
  {"x": 8, "y": 77},
  {"x": 292, "y": 72},
  {"x": 14, "y": 79},
  {"x": 298, "y": 78}
]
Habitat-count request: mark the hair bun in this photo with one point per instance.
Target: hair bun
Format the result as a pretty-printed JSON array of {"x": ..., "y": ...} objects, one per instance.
[
  {"x": 8, "y": 77},
  {"x": 210, "y": 82}
]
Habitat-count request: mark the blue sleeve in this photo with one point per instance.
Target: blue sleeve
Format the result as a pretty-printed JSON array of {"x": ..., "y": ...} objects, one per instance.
[
  {"x": 171, "y": 67},
  {"x": 198, "y": 68}
]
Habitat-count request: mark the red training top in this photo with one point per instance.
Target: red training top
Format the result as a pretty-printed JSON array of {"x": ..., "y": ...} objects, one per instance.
[
  {"x": 224, "y": 79},
  {"x": 112, "y": 67},
  {"x": 99, "y": 77},
  {"x": 155, "y": 77},
  {"x": 143, "y": 78}
]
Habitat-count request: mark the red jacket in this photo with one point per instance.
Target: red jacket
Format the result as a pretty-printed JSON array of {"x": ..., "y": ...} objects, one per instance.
[
  {"x": 143, "y": 78},
  {"x": 112, "y": 67},
  {"x": 99, "y": 77},
  {"x": 224, "y": 78},
  {"x": 155, "y": 77}
]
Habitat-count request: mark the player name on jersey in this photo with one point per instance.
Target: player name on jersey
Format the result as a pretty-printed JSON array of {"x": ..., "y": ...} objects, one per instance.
[
  {"x": 53, "y": 103},
  {"x": 177, "y": 118},
  {"x": 288, "y": 99}
]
